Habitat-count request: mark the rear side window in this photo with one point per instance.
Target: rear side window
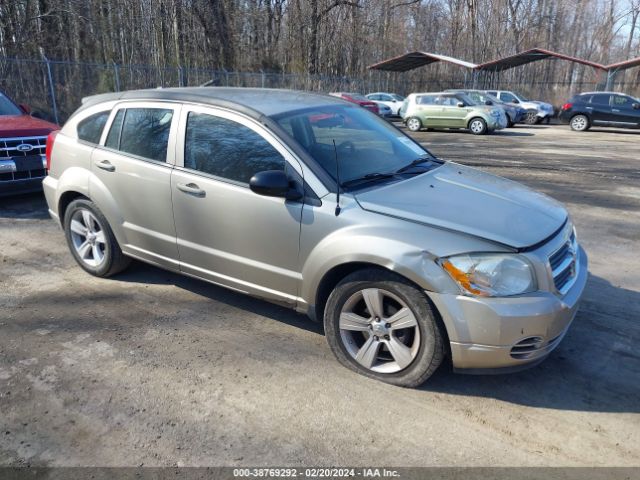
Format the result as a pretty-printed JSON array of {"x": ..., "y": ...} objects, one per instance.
[
  {"x": 143, "y": 132},
  {"x": 600, "y": 99},
  {"x": 90, "y": 129},
  {"x": 227, "y": 149},
  {"x": 426, "y": 100}
]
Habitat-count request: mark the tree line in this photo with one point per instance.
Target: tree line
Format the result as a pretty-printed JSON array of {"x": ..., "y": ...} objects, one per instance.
[{"x": 331, "y": 37}]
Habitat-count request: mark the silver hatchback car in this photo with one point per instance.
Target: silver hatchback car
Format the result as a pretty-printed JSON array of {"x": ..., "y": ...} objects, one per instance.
[{"x": 315, "y": 203}]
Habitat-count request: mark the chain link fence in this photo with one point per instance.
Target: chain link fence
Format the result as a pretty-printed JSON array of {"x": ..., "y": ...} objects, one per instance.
[{"x": 54, "y": 89}]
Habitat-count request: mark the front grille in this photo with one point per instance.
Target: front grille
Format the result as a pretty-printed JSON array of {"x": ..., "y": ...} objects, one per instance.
[
  {"x": 23, "y": 175},
  {"x": 563, "y": 265},
  {"x": 22, "y": 147}
]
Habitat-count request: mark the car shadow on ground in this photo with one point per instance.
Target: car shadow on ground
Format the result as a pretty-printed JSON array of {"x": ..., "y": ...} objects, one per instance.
[
  {"x": 615, "y": 131},
  {"x": 592, "y": 369},
  {"x": 511, "y": 133},
  {"x": 147, "y": 274},
  {"x": 26, "y": 206}
]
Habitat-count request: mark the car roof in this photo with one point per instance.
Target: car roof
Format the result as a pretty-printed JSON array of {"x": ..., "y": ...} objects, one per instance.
[{"x": 255, "y": 102}]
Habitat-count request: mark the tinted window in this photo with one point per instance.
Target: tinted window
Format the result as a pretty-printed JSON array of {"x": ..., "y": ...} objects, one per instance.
[
  {"x": 113, "y": 138},
  {"x": 145, "y": 132},
  {"x": 622, "y": 101},
  {"x": 507, "y": 97},
  {"x": 495, "y": 94},
  {"x": 600, "y": 99},
  {"x": 227, "y": 149},
  {"x": 90, "y": 129}
]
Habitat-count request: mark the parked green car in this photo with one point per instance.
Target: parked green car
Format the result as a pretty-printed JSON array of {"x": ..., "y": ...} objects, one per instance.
[{"x": 451, "y": 110}]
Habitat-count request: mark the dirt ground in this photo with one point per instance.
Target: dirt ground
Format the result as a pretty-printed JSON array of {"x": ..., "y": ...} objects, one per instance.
[{"x": 151, "y": 368}]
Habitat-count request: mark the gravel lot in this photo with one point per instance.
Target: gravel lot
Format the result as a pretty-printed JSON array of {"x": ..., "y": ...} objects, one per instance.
[{"x": 157, "y": 369}]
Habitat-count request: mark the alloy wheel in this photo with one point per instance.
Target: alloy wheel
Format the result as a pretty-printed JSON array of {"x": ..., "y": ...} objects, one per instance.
[
  {"x": 579, "y": 123},
  {"x": 413, "y": 124},
  {"x": 379, "y": 330},
  {"x": 88, "y": 238}
]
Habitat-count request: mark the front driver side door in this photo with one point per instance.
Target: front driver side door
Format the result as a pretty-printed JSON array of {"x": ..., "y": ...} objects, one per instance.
[{"x": 227, "y": 233}]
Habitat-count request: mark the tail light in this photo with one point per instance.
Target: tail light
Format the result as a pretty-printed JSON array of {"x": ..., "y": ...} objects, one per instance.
[
  {"x": 567, "y": 106},
  {"x": 50, "y": 139}
]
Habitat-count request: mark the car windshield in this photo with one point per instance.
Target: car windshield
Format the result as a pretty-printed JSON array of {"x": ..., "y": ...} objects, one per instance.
[
  {"x": 364, "y": 143},
  {"x": 7, "y": 107},
  {"x": 520, "y": 97}
]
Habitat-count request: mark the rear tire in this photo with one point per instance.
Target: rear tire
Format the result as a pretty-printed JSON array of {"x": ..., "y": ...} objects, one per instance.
[
  {"x": 91, "y": 240},
  {"x": 414, "y": 124},
  {"x": 579, "y": 123},
  {"x": 382, "y": 326},
  {"x": 477, "y": 126}
]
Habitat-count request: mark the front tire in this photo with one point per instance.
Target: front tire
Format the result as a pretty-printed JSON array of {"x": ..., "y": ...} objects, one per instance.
[
  {"x": 414, "y": 124},
  {"x": 382, "y": 326},
  {"x": 531, "y": 117},
  {"x": 478, "y": 126},
  {"x": 579, "y": 123},
  {"x": 91, "y": 240}
]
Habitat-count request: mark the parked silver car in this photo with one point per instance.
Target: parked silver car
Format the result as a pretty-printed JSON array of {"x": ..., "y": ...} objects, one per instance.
[{"x": 315, "y": 203}]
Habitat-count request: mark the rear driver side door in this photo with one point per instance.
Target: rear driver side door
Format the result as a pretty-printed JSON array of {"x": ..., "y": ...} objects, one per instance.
[{"x": 226, "y": 233}]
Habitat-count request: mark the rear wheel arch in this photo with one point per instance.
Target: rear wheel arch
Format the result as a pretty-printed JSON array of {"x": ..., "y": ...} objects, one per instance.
[{"x": 65, "y": 199}]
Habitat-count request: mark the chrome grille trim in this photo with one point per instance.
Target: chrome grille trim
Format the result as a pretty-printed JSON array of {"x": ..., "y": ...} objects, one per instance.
[
  {"x": 9, "y": 146},
  {"x": 564, "y": 265}
]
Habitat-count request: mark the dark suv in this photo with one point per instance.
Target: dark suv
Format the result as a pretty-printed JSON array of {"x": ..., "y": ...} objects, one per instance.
[
  {"x": 606, "y": 109},
  {"x": 23, "y": 139}
]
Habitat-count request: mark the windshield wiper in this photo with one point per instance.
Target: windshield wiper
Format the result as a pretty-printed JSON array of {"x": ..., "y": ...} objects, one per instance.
[
  {"x": 369, "y": 177},
  {"x": 416, "y": 162}
]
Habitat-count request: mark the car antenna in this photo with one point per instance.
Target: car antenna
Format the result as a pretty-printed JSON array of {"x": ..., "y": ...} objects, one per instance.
[{"x": 335, "y": 152}]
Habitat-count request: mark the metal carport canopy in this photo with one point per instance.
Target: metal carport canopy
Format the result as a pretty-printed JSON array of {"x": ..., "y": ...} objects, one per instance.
[
  {"x": 409, "y": 61},
  {"x": 533, "y": 55},
  {"x": 634, "y": 62}
]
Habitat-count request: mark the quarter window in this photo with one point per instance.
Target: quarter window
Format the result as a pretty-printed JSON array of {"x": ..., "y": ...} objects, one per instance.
[
  {"x": 227, "y": 149},
  {"x": 90, "y": 129}
]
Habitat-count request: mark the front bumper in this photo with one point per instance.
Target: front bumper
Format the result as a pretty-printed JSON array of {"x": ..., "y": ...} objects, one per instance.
[
  {"x": 484, "y": 333},
  {"x": 22, "y": 175}
]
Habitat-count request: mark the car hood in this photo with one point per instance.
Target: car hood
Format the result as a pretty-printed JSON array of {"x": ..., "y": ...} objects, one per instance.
[
  {"x": 23, "y": 126},
  {"x": 467, "y": 200}
]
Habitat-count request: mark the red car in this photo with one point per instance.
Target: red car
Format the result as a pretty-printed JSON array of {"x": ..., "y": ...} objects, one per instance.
[
  {"x": 359, "y": 99},
  {"x": 23, "y": 141}
]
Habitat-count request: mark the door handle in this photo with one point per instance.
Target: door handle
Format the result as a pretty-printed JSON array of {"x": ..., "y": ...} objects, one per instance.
[
  {"x": 191, "y": 189},
  {"x": 106, "y": 165}
]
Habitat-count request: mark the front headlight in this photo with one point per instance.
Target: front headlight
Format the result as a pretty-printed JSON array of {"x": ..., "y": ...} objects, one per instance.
[{"x": 491, "y": 275}]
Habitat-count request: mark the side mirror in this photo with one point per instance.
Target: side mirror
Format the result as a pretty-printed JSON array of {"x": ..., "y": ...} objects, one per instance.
[
  {"x": 515, "y": 100},
  {"x": 636, "y": 106},
  {"x": 273, "y": 183},
  {"x": 25, "y": 108},
  {"x": 460, "y": 104},
  {"x": 488, "y": 102}
]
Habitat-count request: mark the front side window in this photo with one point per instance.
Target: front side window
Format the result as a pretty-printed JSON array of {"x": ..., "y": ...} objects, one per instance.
[
  {"x": 363, "y": 143},
  {"x": 227, "y": 149},
  {"x": 90, "y": 129},
  {"x": 622, "y": 101},
  {"x": 507, "y": 97}
]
